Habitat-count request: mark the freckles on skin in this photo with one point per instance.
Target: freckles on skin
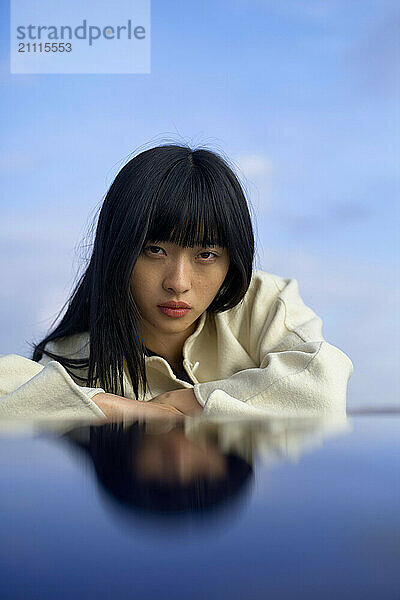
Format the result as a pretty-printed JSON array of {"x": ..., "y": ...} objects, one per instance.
[{"x": 178, "y": 274}]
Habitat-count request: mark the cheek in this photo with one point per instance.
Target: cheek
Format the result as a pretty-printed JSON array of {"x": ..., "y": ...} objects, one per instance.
[
  {"x": 143, "y": 281},
  {"x": 139, "y": 289},
  {"x": 221, "y": 274},
  {"x": 209, "y": 286}
]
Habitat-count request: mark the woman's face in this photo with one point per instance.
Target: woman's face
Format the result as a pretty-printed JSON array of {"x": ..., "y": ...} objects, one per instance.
[{"x": 165, "y": 273}]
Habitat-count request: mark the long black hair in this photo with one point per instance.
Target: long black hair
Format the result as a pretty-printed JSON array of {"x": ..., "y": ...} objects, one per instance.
[{"x": 166, "y": 193}]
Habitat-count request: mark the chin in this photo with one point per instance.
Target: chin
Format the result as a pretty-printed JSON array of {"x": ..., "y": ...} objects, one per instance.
[{"x": 175, "y": 325}]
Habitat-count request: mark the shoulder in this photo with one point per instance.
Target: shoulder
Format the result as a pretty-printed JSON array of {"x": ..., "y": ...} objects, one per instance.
[
  {"x": 267, "y": 294},
  {"x": 266, "y": 283},
  {"x": 267, "y": 289},
  {"x": 264, "y": 290},
  {"x": 258, "y": 302}
]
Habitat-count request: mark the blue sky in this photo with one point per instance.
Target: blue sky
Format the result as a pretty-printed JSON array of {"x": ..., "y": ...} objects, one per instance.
[{"x": 302, "y": 96}]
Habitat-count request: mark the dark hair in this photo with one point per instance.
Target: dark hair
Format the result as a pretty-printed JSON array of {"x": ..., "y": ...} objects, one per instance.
[
  {"x": 113, "y": 447},
  {"x": 166, "y": 193}
]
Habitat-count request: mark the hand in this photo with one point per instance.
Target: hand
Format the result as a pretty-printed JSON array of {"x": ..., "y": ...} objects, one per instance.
[
  {"x": 117, "y": 408},
  {"x": 183, "y": 400}
]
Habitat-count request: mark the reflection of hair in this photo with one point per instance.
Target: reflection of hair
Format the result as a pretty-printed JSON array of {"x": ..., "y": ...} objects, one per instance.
[
  {"x": 113, "y": 451},
  {"x": 170, "y": 192}
]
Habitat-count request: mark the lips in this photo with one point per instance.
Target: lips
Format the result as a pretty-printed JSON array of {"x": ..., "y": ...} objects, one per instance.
[
  {"x": 174, "y": 310},
  {"x": 174, "y": 305}
]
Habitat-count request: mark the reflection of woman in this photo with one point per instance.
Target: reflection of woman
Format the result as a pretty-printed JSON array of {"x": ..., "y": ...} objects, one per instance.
[
  {"x": 166, "y": 472},
  {"x": 170, "y": 311}
]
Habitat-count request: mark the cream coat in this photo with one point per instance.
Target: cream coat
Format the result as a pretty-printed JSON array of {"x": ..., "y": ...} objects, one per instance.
[{"x": 265, "y": 356}]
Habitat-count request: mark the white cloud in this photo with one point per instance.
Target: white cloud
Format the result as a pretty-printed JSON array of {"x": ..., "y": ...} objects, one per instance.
[
  {"x": 358, "y": 304},
  {"x": 256, "y": 174},
  {"x": 38, "y": 261},
  {"x": 255, "y": 165}
]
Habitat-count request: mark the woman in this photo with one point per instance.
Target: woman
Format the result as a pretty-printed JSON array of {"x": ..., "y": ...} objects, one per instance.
[{"x": 169, "y": 310}]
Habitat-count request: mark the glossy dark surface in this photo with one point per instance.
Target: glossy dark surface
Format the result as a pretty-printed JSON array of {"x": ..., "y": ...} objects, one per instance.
[{"x": 315, "y": 516}]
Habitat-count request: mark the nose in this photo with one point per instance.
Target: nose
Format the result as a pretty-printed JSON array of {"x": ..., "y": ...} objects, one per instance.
[{"x": 178, "y": 277}]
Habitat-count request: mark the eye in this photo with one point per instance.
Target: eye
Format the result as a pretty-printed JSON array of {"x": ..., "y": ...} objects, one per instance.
[
  {"x": 153, "y": 250},
  {"x": 208, "y": 256}
]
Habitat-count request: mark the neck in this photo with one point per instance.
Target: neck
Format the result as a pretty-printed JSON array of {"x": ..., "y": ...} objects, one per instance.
[{"x": 169, "y": 346}]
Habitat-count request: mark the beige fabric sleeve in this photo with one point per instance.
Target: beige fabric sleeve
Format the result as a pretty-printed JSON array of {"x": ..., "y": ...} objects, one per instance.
[
  {"x": 29, "y": 389},
  {"x": 299, "y": 372}
]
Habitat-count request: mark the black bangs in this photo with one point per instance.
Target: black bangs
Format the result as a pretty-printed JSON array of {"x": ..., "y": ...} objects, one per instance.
[{"x": 190, "y": 210}]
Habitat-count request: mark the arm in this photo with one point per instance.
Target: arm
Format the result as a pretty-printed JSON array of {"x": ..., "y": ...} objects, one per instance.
[
  {"x": 117, "y": 408},
  {"x": 183, "y": 400},
  {"x": 114, "y": 407},
  {"x": 29, "y": 389},
  {"x": 298, "y": 372}
]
